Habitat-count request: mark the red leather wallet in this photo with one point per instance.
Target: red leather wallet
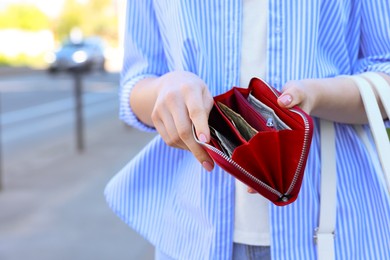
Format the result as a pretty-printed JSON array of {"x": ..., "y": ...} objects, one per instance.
[{"x": 258, "y": 142}]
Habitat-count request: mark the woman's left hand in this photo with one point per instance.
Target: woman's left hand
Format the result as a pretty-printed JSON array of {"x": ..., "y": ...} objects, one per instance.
[
  {"x": 296, "y": 93},
  {"x": 336, "y": 99}
]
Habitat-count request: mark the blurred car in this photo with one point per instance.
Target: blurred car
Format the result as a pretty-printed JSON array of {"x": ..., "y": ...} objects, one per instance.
[{"x": 85, "y": 55}]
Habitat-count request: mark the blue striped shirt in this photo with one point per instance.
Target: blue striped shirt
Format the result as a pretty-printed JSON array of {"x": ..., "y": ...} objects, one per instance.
[{"x": 165, "y": 195}]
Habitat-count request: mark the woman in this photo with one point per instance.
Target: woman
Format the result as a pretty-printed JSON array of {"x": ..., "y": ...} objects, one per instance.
[{"x": 180, "y": 53}]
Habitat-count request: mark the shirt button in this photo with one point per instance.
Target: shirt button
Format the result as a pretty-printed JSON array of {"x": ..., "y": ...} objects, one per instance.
[
  {"x": 278, "y": 29},
  {"x": 276, "y": 80}
]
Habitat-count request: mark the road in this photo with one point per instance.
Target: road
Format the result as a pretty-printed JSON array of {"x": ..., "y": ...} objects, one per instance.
[
  {"x": 42, "y": 106},
  {"x": 51, "y": 202}
]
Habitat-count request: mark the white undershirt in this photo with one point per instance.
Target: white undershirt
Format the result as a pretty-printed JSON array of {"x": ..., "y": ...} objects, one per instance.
[{"x": 251, "y": 225}]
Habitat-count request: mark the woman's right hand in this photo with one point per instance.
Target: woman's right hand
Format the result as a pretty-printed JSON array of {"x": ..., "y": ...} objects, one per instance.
[{"x": 182, "y": 99}]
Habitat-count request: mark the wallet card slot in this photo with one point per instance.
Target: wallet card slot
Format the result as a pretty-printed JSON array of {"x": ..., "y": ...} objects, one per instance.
[
  {"x": 272, "y": 119},
  {"x": 251, "y": 115},
  {"x": 218, "y": 123},
  {"x": 274, "y": 159},
  {"x": 243, "y": 127},
  {"x": 227, "y": 147},
  {"x": 288, "y": 118}
]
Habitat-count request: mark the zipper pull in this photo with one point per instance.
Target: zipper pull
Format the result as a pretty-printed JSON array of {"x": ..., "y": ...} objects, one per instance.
[{"x": 270, "y": 122}]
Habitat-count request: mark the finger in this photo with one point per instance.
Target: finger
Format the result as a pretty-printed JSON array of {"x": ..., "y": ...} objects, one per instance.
[
  {"x": 165, "y": 126},
  {"x": 285, "y": 100},
  {"x": 183, "y": 125},
  {"x": 201, "y": 155},
  {"x": 208, "y": 100},
  {"x": 291, "y": 96},
  {"x": 251, "y": 190},
  {"x": 199, "y": 107},
  {"x": 161, "y": 129}
]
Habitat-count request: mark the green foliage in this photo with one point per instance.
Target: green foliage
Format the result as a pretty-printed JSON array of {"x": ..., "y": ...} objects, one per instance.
[
  {"x": 96, "y": 17},
  {"x": 70, "y": 17},
  {"x": 22, "y": 60},
  {"x": 388, "y": 132},
  {"x": 25, "y": 17}
]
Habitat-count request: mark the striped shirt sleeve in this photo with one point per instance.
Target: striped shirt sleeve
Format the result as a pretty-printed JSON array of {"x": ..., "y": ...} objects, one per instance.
[
  {"x": 375, "y": 37},
  {"x": 144, "y": 56}
]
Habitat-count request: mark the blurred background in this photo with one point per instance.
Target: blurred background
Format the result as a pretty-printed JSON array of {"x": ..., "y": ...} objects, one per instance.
[{"x": 60, "y": 137}]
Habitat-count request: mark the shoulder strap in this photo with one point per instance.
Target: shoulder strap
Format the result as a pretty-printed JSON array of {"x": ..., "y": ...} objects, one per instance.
[
  {"x": 324, "y": 234},
  {"x": 382, "y": 87},
  {"x": 375, "y": 120}
]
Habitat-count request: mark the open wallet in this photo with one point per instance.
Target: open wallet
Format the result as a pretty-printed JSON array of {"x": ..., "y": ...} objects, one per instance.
[{"x": 258, "y": 142}]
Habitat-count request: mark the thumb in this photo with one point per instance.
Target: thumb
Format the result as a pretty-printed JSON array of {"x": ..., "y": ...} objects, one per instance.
[
  {"x": 285, "y": 100},
  {"x": 201, "y": 122},
  {"x": 291, "y": 96}
]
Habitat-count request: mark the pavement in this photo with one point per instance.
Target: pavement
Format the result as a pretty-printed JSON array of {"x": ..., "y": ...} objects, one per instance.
[
  {"x": 9, "y": 71},
  {"x": 52, "y": 204}
]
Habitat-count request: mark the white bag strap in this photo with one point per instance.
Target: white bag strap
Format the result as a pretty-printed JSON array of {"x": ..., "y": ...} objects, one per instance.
[
  {"x": 324, "y": 234},
  {"x": 382, "y": 87},
  {"x": 375, "y": 120},
  {"x": 372, "y": 152}
]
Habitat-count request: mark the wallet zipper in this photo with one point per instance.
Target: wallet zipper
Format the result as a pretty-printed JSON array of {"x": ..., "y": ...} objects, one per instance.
[
  {"x": 303, "y": 153},
  {"x": 304, "y": 147},
  {"x": 270, "y": 122},
  {"x": 238, "y": 167},
  {"x": 283, "y": 197},
  {"x": 242, "y": 170}
]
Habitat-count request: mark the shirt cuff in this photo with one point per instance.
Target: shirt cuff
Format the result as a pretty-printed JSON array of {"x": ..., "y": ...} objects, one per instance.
[
  {"x": 366, "y": 66},
  {"x": 126, "y": 114}
]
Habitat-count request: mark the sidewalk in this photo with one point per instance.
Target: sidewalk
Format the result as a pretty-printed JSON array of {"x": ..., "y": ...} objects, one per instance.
[{"x": 52, "y": 204}]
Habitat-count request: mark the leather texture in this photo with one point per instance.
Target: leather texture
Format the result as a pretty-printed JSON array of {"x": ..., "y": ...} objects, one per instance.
[{"x": 273, "y": 159}]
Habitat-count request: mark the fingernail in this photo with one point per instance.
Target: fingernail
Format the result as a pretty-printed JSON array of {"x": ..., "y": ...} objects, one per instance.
[
  {"x": 208, "y": 166},
  {"x": 250, "y": 190},
  {"x": 286, "y": 100},
  {"x": 202, "y": 138}
]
